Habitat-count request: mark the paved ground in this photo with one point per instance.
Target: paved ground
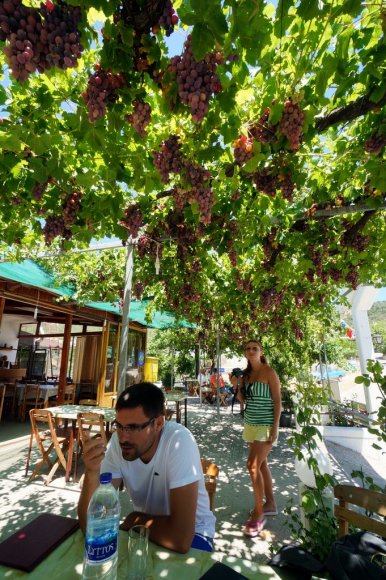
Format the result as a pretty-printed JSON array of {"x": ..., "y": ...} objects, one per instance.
[{"x": 219, "y": 439}]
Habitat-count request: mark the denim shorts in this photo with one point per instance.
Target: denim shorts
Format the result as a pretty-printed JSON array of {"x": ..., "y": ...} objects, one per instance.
[{"x": 202, "y": 543}]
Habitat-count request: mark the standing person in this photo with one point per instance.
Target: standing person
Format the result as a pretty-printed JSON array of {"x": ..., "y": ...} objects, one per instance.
[
  {"x": 159, "y": 463},
  {"x": 259, "y": 388}
]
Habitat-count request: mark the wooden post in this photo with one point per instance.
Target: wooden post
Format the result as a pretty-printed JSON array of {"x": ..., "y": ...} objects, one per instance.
[
  {"x": 2, "y": 304},
  {"x": 64, "y": 358}
]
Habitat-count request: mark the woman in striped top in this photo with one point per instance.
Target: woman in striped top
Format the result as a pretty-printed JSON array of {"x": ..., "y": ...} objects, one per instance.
[{"x": 259, "y": 389}]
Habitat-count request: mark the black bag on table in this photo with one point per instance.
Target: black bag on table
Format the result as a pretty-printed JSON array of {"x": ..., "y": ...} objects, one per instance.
[{"x": 354, "y": 557}]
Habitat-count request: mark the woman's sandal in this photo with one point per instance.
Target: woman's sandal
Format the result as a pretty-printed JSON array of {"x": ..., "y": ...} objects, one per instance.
[
  {"x": 254, "y": 527},
  {"x": 266, "y": 513}
]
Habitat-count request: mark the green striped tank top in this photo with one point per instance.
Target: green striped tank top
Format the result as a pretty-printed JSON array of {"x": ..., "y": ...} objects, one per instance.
[{"x": 259, "y": 404}]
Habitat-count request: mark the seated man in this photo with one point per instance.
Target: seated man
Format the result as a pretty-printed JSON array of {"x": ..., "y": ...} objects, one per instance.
[{"x": 160, "y": 465}]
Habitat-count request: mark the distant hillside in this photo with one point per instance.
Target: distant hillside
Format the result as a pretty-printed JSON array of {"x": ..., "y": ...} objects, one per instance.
[{"x": 377, "y": 313}]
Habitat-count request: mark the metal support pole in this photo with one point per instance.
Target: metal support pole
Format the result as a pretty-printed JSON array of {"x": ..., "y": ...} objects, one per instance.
[
  {"x": 218, "y": 368},
  {"x": 124, "y": 339},
  {"x": 172, "y": 369}
]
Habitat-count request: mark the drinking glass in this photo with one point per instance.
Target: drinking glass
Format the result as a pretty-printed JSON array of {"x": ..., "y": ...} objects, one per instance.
[{"x": 138, "y": 549}]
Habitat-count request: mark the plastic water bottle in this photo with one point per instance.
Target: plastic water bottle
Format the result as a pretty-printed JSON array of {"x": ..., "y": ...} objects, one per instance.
[{"x": 101, "y": 550}]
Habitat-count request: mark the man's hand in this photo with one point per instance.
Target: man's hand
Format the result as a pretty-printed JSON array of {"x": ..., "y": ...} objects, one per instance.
[{"x": 93, "y": 452}]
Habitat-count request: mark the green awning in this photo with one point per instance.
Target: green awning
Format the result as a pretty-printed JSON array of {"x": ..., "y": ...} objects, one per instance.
[
  {"x": 159, "y": 320},
  {"x": 31, "y": 274}
]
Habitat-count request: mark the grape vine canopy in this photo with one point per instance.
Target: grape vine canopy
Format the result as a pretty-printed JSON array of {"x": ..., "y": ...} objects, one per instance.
[{"x": 249, "y": 166}]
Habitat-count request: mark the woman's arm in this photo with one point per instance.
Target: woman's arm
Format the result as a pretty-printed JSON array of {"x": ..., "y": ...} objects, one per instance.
[{"x": 274, "y": 385}]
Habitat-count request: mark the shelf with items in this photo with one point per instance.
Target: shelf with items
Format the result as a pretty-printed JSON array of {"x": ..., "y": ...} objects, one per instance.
[{"x": 7, "y": 348}]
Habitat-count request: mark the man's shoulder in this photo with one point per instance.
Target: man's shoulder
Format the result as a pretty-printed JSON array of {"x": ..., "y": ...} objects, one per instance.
[{"x": 175, "y": 431}]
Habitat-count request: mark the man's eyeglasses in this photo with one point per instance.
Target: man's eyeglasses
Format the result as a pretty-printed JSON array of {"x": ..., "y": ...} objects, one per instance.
[{"x": 133, "y": 428}]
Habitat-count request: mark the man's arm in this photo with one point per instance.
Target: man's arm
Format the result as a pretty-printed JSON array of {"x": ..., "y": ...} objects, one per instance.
[
  {"x": 93, "y": 454},
  {"x": 176, "y": 531}
]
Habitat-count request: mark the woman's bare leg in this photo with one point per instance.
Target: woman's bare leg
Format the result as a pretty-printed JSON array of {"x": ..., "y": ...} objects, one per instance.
[
  {"x": 258, "y": 453},
  {"x": 270, "y": 504}
]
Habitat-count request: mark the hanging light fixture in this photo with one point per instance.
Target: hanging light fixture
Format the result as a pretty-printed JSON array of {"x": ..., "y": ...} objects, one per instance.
[
  {"x": 157, "y": 263},
  {"x": 36, "y": 307}
]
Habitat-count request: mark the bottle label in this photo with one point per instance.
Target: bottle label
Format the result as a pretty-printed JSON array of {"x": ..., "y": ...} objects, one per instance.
[{"x": 101, "y": 549}]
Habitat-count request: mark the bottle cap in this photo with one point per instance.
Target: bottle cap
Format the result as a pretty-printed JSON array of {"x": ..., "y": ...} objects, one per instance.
[{"x": 106, "y": 477}]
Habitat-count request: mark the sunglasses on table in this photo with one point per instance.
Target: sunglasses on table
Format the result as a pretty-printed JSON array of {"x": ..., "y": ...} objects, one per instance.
[{"x": 131, "y": 428}]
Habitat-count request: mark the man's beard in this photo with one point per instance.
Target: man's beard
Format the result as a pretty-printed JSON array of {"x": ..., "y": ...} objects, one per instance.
[{"x": 131, "y": 452}]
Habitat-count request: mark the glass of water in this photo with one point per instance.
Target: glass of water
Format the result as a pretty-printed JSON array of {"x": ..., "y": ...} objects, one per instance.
[{"x": 138, "y": 548}]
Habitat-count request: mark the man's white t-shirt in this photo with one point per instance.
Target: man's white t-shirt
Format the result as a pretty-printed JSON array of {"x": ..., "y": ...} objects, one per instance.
[{"x": 175, "y": 463}]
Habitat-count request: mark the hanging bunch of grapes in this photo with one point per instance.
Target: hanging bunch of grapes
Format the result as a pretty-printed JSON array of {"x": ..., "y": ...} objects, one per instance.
[
  {"x": 55, "y": 228},
  {"x": 21, "y": 27},
  {"x": 133, "y": 219},
  {"x": 179, "y": 196},
  {"x": 169, "y": 159},
  {"x": 243, "y": 149},
  {"x": 138, "y": 290},
  {"x": 197, "y": 80},
  {"x": 39, "y": 39},
  {"x": 60, "y": 33},
  {"x": 198, "y": 178},
  {"x": 140, "y": 117},
  {"x": 39, "y": 188},
  {"x": 375, "y": 144},
  {"x": 286, "y": 185},
  {"x": 169, "y": 18},
  {"x": 265, "y": 181},
  {"x": 262, "y": 130},
  {"x": 291, "y": 124},
  {"x": 101, "y": 91},
  {"x": 71, "y": 207}
]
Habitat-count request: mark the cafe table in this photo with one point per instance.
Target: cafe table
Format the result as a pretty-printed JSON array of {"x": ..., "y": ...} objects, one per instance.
[
  {"x": 177, "y": 397},
  {"x": 65, "y": 563},
  {"x": 70, "y": 413}
]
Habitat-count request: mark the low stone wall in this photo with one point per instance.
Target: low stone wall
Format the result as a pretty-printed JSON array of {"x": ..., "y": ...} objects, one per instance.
[{"x": 356, "y": 438}]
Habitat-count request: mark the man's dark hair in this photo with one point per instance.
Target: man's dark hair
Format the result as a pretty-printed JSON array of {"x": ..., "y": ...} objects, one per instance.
[{"x": 145, "y": 395}]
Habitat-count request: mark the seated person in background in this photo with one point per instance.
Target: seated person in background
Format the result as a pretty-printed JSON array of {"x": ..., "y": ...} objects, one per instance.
[
  {"x": 213, "y": 384},
  {"x": 203, "y": 377},
  {"x": 160, "y": 466}
]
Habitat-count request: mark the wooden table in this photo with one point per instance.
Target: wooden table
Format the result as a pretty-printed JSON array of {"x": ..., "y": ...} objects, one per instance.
[
  {"x": 206, "y": 394},
  {"x": 177, "y": 397},
  {"x": 65, "y": 562},
  {"x": 70, "y": 413}
]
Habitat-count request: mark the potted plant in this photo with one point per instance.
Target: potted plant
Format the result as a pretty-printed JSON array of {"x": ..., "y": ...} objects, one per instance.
[{"x": 287, "y": 405}]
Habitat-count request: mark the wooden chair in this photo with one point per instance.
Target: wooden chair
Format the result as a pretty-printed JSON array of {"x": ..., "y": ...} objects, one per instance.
[
  {"x": 94, "y": 425},
  {"x": 211, "y": 472},
  {"x": 91, "y": 402},
  {"x": 372, "y": 501},
  {"x": 48, "y": 438},
  {"x": 31, "y": 400},
  {"x": 69, "y": 395}
]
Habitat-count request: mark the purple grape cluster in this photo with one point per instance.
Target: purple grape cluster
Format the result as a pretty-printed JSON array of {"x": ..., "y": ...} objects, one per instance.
[
  {"x": 262, "y": 130},
  {"x": 198, "y": 177},
  {"x": 71, "y": 207},
  {"x": 140, "y": 117},
  {"x": 286, "y": 185},
  {"x": 169, "y": 159},
  {"x": 39, "y": 38},
  {"x": 291, "y": 124},
  {"x": 375, "y": 144},
  {"x": 133, "y": 219},
  {"x": 60, "y": 33},
  {"x": 271, "y": 298},
  {"x": 265, "y": 181},
  {"x": 138, "y": 290},
  {"x": 359, "y": 242},
  {"x": 38, "y": 189},
  {"x": 243, "y": 149},
  {"x": 352, "y": 277},
  {"x": 197, "y": 80},
  {"x": 55, "y": 228},
  {"x": 143, "y": 245},
  {"x": 21, "y": 26},
  {"x": 101, "y": 91},
  {"x": 179, "y": 196},
  {"x": 169, "y": 18}
]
